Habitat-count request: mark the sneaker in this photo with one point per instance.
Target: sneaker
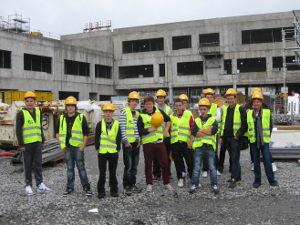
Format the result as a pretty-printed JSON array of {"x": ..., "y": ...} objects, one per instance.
[
  {"x": 184, "y": 174},
  {"x": 180, "y": 183},
  {"x": 28, "y": 190},
  {"x": 199, "y": 185},
  {"x": 88, "y": 192},
  {"x": 232, "y": 184},
  {"x": 136, "y": 189},
  {"x": 274, "y": 167},
  {"x": 218, "y": 173},
  {"x": 101, "y": 195},
  {"x": 193, "y": 189},
  {"x": 215, "y": 189},
  {"x": 204, "y": 174},
  {"x": 67, "y": 192},
  {"x": 42, "y": 188},
  {"x": 169, "y": 187},
  {"x": 149, "y": 188},
  {"x": 275, "y": 184},
  {"x": 252, "y": 166},
  {"x": 114, "y": 194},
  {"x": 256, "y": 185}
]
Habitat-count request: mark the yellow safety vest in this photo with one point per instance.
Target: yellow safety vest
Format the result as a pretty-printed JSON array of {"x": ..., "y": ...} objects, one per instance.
[
  {"x": 266, "y": 114},
  {"x": 236, "y": 118},
  {"x": 213, "y": 109},
  {"x": 180, "y": 128},
  {"x": 210, "y": 140},
  {"x": 168, "y": 110},
  {"x": 76, "y": 139},
  {"x": 108, "y": 138},
  {"x": 153, "y": 136},
  {"x": 130, "y": 125},
  {"x": 31, "y": 129}
]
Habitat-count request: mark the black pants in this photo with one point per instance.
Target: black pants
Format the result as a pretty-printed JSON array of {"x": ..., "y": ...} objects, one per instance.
[
  {"x": 33, "y": 159},
  {"x": 222, "y": 155},
  {"x": 112, "y": 159},
  {"x": 131, "y": 157},
  {"x": 180, "y": 154},
  {"x": 234, "y": 152},
  {"x": 156, "y": 166}
]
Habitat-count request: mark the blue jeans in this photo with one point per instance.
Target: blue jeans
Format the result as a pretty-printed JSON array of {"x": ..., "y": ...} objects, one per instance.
[
  {"x": 131, "y": 158},
  {"x": 199, "y": 154},
  {"x": 75, "y": 155},
  {"x": 267, "y": 160}
]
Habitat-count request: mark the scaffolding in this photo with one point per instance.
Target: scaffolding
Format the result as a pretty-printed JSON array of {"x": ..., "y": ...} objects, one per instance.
[{"x": 15, "y": 23}]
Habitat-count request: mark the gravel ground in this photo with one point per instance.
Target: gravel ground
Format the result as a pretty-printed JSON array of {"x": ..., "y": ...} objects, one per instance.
[{"x": 243, "y": 205}]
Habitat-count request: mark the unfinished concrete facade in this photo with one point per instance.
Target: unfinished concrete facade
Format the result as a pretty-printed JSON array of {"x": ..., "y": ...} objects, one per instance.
[{"x": 180, "y": 57}]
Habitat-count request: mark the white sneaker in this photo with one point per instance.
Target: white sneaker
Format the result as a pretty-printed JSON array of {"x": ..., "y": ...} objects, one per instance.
[
  {"x": 169, "y": 187},
  {"x": 218, "y": 173},
  {"x": 252, "y": 166},
  {"x": 274, "y": 167},
  {"x": 193, "y": 189},
  {"x": 149, "y": 188},
  {"x": 199, "y": 185},
  {"x": 28, "y": 190},
  {"x": 180, "y": 183},
  {"x": 42, "y": 188},
  {"x": 204, "y": 174}
]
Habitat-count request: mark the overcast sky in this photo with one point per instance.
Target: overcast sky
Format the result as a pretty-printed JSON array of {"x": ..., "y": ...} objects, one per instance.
[{"x": 70, "y": 16}]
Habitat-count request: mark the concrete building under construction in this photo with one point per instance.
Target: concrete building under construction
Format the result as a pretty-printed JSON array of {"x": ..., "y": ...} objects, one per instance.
[{"x": 181, "y": 57}]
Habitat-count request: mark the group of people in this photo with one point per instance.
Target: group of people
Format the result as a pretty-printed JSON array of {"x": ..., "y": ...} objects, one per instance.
[{"x": 189, "y": 138}]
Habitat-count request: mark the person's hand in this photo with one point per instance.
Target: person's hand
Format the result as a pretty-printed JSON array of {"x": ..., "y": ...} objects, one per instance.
[
  {"x": 166, "y": 133},
  {"x": 189, "y": 144},
  {"x": 128, "y": 145},
  {"x": 151, "y": 129},
  {"x": 81, "y": 148}
]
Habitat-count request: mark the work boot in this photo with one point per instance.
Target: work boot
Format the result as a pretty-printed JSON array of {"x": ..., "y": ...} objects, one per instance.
[
  {"x": 28, "y": 190},
  {"x": 67, "y": 192},
  {"x": 274, "y": 184},
  {"x": 256, "y": 185},
  {"x": 42, "y": 188},
  {"x": 232, "y": 184},
  {"x": 101, "y": 195}
]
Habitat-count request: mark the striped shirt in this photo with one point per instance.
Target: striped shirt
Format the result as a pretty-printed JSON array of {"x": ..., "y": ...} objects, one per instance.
[{"x": 123, "y": 127}]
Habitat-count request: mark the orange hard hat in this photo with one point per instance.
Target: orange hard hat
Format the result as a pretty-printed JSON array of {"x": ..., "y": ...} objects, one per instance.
[
  {"x": 29, "y": 94},
  {"x": 157, "y": 119}
]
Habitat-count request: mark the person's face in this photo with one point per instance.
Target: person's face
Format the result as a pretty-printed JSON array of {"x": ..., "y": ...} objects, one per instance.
[
  {"x": 210, "y": 97},
  {"x": 133, "y": 103},
  {"x": 185, "y": 104},
  {"x": 256, "y": 104},
  {"x": 179, "y": 107},
  {"x": 149, "y": 106},
  {"x": 71, "y": 109},
  {"x": 108, "y": 115},
  {"x": 203, "y": 110},
  {"x": 30, "y": 103},
  {"x": 160, "y": 100},
  {"x": 231, "y": 100}
]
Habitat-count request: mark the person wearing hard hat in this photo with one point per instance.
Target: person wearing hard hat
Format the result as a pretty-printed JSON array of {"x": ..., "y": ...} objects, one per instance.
[
  {"x": 180, "y": 136},
  {"x": 152, "y": 134},
  {"x": 131, "y": 142},
  {"x": 108, "y": 144},
  {"x": 259, "y": 126},
  {"x": 185, "y": 99},
  {"x": 233, "y": 127},
  {"x": 72, "y": 131},
  {"x": 160, "y": 103},
  {"x": 30, "y": 137},
  {"x": 204, "y": 145}
]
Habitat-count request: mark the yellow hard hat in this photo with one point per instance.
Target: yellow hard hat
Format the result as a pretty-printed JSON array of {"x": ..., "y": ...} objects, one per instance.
[
  {"x": 231, "y": 91},
  {"x": 157, "y": 119},
  {"x": 257, "y": 95},
  {"x": 183, "y": 97},
  {"x": 208, "y": 91},
  {"x": 160, "y": 93},
  {"x": 256, "y": 89},
  {"x": 108, "y": 107},
  {"x": 70, "y": 101},
  {"x": 134, "y": 95},
  {"x": 29, "y": 94},
  {"x": 204, "y": 102}
]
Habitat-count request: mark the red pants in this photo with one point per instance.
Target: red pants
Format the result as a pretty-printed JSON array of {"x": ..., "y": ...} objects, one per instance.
[{"x": 156, "y": 151}]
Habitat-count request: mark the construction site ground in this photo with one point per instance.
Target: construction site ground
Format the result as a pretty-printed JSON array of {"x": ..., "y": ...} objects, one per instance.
[{"x": 242, "y": 205}]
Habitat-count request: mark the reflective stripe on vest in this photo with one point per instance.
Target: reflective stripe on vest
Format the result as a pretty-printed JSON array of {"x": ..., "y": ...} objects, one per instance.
[
  {"x": 266, "y": 114},
  {"x": 210, "y": 140},
  {"x": 130, "y": 125},
  {"x": 31, "y": 130},
  {"x": 213, "y": 110},
  {"x": 236, "y": 119},
  {"x": 76, "y": 139},
  {"x": 153, "y": 136},
  {"x": 180, "y": 129},
  {"x": 108, "y": 143}
]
